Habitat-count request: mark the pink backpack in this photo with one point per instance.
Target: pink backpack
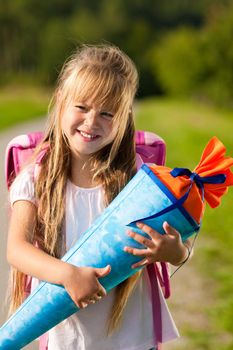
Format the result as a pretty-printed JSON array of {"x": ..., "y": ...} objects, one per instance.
[{"x": 150, "y": 148}]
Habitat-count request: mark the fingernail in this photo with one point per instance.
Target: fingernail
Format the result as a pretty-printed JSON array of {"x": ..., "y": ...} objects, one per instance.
[
  {"x": 129, "y": 233},
  {"x": 139, "y": 224}
]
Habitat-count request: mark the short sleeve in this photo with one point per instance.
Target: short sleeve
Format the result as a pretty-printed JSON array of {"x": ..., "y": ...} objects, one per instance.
[{"x": 23, "y": 187}]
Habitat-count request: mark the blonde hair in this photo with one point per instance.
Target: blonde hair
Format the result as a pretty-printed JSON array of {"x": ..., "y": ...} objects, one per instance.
[{"x": 108, "y": 77}]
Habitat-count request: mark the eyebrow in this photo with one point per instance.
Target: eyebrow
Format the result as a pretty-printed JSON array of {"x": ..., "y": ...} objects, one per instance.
[{"x": 101, "y": 109}]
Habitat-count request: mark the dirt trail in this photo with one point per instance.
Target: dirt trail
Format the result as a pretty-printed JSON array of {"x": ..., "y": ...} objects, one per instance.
[
  {"x": 190, "y": 296},
  {"x": 188, "y": 288}
]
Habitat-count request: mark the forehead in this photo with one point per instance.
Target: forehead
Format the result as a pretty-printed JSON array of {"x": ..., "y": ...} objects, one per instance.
[
  {"x": 101, "y": 88},
  {"x": 95, "y": 105}
]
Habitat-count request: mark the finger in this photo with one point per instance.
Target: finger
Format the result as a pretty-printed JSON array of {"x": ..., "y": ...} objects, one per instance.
[
  {"x": 102, "y": 272},
  {"x": 102, "y": 292},
  {"x": 76, "y": 301},
  {"x": 149, "y": 230},
  {"x": 98, "y": 297},
  {"x": 141, "y": 263},
  {"x": 83, "y": 305},
  {"x": 91, "y": 301},
  {"x": 78, "y": 304},
  {"x": 169, "y": 229},
  {"x": 137, "y": 252},
  {"x": 141, "y": 239}
]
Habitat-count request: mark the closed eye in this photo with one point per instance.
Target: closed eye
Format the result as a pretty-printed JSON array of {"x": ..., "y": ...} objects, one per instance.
[
  {"x": 107, "y": 115},
  {"x": 81, "y": 107}
]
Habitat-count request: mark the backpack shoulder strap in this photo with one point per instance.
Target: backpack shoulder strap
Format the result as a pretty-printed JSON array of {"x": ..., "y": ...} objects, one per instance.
[
  {"x": 18, "y": 152},
  {"x": 43, "y": 341},
  {"x": 150, "y": 148}
]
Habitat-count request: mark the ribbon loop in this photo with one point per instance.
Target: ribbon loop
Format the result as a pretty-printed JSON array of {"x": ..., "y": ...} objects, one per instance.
[{"x": 199, "y": 180}]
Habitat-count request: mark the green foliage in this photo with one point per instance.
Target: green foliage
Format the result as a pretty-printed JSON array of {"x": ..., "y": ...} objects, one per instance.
[
  {"x": 51, "y": 57},
  {"x": 176, "y": 61},
  {"x": 36, "y": 36},
  {"x": 218, "y": 58},
  {"x": 198, "y": 62}
]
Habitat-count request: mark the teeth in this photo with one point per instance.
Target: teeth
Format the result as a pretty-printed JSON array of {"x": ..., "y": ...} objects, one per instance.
[{"x": 89, "y": 136}]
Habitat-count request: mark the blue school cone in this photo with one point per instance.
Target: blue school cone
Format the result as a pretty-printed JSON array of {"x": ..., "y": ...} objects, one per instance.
[{"x": 102, "y": 244}]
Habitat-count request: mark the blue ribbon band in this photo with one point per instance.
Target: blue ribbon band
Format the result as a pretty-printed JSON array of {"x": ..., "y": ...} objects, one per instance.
[{"x": 199, "y": 180}]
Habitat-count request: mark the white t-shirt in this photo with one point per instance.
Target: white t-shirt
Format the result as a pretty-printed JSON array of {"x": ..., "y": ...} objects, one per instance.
[{"x": 86, "y": 329}]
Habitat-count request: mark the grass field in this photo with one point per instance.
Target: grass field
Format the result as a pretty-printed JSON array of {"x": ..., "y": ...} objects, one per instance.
[
  {"x": 19, "y": 104},
  {"x": 186, "y": 127}
]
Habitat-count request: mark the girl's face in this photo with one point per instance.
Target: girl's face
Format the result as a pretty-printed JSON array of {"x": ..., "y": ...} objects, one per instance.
[{"x": 88, "y": 128}]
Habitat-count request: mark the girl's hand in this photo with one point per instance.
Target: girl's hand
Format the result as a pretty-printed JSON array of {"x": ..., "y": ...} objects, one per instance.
[
  {"x": 167, "y": 247},
  {"x": 82, "y": 284}
]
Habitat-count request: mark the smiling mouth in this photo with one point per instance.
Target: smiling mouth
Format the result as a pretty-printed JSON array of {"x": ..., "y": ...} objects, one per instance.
[{"x": 87, "y": 135}]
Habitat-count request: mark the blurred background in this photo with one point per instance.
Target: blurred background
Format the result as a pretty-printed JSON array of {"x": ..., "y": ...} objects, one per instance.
[{"x": 184, "y": 54}]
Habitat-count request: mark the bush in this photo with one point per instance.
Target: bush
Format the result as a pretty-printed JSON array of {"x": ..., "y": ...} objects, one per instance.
[
  {"x": 198, "y": 62},
  {"x": 218, "y": 59},
  {"x": 176, "y": 61}
]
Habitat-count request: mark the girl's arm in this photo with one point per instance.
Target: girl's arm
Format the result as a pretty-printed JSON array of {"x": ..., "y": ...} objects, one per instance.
[{"x": 80, "y": 282}]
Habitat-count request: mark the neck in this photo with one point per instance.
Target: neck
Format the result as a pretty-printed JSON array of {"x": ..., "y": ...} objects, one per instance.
[{"x": 81, "y": 173}]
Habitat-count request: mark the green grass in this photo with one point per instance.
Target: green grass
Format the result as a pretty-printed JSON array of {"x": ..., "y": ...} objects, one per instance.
[
  {"x": 19, "y": 104},
  {"x": 186, "y": 127}
]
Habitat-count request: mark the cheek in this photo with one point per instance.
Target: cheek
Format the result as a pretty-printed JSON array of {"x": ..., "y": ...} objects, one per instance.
[
  {"x": 113, "y": 130},
  {"x": 67, "y": 120}
]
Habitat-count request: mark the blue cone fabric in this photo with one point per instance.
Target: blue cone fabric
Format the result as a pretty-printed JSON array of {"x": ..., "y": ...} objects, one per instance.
[{"x": 145, "y": 196}]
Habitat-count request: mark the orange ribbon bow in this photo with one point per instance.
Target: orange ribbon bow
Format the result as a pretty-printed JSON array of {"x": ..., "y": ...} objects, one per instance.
[{"x": 209, "y": 181}]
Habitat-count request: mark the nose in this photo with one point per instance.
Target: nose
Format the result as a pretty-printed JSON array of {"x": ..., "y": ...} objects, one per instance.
[{"x": 91, "y": 117}]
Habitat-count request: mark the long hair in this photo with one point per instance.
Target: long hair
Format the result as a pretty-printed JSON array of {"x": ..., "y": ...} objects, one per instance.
[{"x": 108, "y": 77}]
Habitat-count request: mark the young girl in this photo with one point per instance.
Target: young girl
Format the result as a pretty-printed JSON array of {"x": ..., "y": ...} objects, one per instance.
[{"x": 89, "y": 156}]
